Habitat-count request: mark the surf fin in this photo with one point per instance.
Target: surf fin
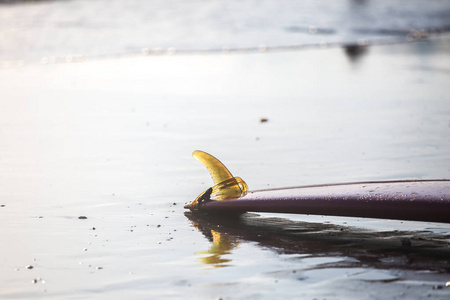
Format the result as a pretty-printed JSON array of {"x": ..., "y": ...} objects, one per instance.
[{"x": 226, "y": 187}]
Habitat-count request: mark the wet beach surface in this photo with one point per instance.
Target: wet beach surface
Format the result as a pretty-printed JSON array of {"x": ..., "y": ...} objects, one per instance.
[{"x": 95, "y": 156}]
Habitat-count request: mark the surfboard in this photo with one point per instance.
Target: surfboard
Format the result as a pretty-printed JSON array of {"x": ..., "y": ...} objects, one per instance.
[{"x": 417, "y": 200}]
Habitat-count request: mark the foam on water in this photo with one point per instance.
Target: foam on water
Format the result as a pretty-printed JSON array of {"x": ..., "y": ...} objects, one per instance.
[{"x": 66, "y": 31}]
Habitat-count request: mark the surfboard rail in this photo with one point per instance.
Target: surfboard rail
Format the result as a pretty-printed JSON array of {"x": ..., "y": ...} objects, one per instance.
[{"x": 415, "y": 200}]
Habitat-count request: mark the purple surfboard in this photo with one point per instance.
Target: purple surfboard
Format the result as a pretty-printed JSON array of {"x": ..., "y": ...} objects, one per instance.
[{"x": 416, "y": 200}]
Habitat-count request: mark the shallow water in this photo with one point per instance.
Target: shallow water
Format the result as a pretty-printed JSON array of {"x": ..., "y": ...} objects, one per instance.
[
  {"x": 112, "y": 140},
  {"x": 33, "y": 31}
]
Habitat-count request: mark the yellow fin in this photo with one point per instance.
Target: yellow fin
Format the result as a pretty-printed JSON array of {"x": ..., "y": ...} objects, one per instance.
[
  {"x": 217, "y": 169},
  {"x": 226, "y": 187},
  {"x": 229, "y": 189}
]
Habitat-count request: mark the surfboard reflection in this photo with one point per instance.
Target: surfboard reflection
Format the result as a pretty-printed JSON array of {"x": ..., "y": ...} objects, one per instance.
[{"x": 423, "y": 249}]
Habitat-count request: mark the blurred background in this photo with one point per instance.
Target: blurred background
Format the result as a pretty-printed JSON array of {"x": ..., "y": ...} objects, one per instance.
[{"x": 35, "y": 30}]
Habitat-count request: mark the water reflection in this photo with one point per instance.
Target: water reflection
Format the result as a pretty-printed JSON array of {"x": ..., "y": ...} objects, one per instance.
[
  {"x": 403, "y": 250},
  {"x": 222, "y": 244}
]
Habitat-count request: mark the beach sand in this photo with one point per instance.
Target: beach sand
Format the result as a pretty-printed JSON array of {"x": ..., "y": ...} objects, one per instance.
[
  {"x": 96, "y": 165},
  {"x": 112, "y": 140}
]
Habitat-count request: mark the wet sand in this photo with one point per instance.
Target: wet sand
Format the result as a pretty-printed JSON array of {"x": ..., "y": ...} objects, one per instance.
[{"x": 111, "y": 140}]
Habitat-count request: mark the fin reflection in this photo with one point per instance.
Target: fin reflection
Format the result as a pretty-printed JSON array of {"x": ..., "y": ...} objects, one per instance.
[{"x": 222, "y": 244}]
